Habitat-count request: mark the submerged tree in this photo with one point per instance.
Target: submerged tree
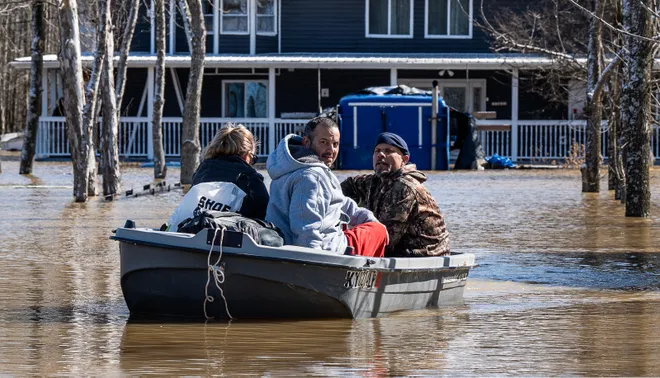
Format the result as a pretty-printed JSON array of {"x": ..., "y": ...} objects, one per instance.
[
  {"x": 36, "y": 70},
  {"x": 160, "y": 169},
  {"x": 80, "y": 137},
  {"x": 110, "y": 149},
  {"x": 556, "y": 30},
  {"x": 594, "y": 104},
  {"x": 190, "y": 147},
  {"x": 639, "y": 24}
]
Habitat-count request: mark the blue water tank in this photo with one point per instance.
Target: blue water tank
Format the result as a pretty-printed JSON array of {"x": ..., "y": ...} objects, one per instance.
[{"x": 363, "y": 117}]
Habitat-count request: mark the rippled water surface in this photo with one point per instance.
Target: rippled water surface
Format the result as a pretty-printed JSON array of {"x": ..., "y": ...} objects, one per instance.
[{"x": 566, "y": 286}]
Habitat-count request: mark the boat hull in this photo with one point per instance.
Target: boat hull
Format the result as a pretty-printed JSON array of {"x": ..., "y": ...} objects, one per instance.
[{"x": 169, "y": 280}]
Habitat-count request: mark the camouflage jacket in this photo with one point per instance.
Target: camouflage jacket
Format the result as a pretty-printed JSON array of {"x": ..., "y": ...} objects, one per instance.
[{"x": 401, "y": 202}]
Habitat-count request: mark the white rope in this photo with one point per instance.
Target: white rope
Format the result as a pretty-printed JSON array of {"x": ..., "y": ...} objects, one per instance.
[{"x": 218, "y": 274}]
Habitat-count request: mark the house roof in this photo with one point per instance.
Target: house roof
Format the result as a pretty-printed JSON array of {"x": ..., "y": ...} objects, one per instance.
[{"x": 328, "y": 60}]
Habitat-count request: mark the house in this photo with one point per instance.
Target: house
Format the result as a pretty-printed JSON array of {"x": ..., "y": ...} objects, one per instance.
[{"x": 270, "y": 63}]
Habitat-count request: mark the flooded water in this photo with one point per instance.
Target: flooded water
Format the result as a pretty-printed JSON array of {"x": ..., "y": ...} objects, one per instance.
[{"x": 566, "y": 286}]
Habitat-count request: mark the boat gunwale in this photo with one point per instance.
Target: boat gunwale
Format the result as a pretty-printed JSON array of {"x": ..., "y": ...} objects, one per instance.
[{"x": 302, "y": 262}]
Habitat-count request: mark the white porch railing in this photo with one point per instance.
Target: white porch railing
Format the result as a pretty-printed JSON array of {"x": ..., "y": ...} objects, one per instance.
[
  {"x": 543, "y": 140},
  {"x": 135, "y": 134},
  {"x": 537, "y": 140}
]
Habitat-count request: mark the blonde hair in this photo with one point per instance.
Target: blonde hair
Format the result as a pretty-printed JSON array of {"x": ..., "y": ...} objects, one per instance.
[{"x": 231, "y": 139}]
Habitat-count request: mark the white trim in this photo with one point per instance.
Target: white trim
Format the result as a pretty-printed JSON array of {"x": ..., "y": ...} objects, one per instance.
[
  {"x": 354, "y": 126},
  {"x": 150, "y": 114},
  {"x": 419, "y": 127},
  {"x": 252, "y": 25},
  {"x": 393, "y": 77},
  {"x": 389, "y": 22},
  {"x": 313, "y": 61},
  {"x": 271, "y": 108},
  {"x": 216, "y": 26},
  {"x": 389, "y": 104},
  {"x": 52, "y": 103},
  {"x": 448, "y": 36},
  {"x": 275, "y": 21},
  {"x": 247, "y": 32},
  {"x": 44, "y": 92},
  {"x": 514, "y": 114},
  {"x": 152, "y": 22},
  {"x": 224, "y": 97},
  {"x": 318, "y": 90},
  {"x": 212, "y": 14},
  {"x": 172, "y": 27},
  {"x": 177, "y": 88},
  {"x": 143, "y": 100}
]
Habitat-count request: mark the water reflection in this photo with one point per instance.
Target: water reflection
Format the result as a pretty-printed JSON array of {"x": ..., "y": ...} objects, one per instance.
[{"x": 566, "y": 286}]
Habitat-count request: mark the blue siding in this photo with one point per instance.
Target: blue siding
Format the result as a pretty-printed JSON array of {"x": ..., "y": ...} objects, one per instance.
[
  {"x": 233, "y": 44},
  {"x": 339, "y": 26},
  {"x": 265, "y": 44}
]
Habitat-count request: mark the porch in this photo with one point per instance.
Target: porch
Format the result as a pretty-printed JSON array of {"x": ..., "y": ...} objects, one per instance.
[{"x": 535, "y": 141}]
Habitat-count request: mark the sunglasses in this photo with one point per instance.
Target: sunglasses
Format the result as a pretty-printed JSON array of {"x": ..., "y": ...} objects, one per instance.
[{"x": 253, "y": 159}]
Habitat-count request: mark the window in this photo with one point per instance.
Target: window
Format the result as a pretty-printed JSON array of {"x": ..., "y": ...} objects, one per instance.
[
  {"x": 245, "y": 99},
  {"x": 389, "y": 18},
  {"x": 235, "y": 17},
  {"x": 448, "y": 19},
  {"x": 266, "y": 16},
  {"x": 207, "y": 9},
  {"x": 464, "y": 95}
]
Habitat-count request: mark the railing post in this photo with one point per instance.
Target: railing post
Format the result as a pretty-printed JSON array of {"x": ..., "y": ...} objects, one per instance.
[
  {"x": 39, "y": 150},
  {"x": 271, "y": 110},
  {"x": 150, "y": 113},
  {"x": 514, "y": 115}
]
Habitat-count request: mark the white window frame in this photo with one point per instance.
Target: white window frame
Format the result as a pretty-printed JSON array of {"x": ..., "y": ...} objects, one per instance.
[
  {"x": 389, "y": 22},
  {"x": 224, "y": 96},
  {"x": 249, "y": 20},
  {"x": 447, "y": 36},
  {"x": 247, "y": 16},
  {"x": 469, "y": 84},
  {"x": 275, "y": 13},
  {"x": 213, "y": 10}
]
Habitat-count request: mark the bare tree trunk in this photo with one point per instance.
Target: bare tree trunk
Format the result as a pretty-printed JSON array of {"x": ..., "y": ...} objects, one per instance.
[
  {"x": 90, "y": 118},
  {"x": 185, "y": 15},
  {"x": 190, "y": 148},
  {"x": 72, "y": 88},
  {"x": 3, "y": 77},
  {"x": 124, "y": 50},
  {"x": 590, "y": 173},
  {"x": 110, "y": 150},
  {"x": 160, "y": 169},
  {"x": 36, "y": 70},
  {"x": 637, "y": 20},
  {"x": 614, "y": 175}
]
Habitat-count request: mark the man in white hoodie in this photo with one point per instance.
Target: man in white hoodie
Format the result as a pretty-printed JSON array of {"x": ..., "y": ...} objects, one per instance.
[{"x": 306, "y": 200}]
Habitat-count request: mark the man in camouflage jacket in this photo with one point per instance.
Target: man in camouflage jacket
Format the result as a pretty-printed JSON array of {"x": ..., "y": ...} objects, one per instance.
[{"x": 396, "y": 195}]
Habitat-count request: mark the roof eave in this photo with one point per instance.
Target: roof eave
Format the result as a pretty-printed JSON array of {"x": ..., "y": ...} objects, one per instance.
[{"x": 314, "y": 62}]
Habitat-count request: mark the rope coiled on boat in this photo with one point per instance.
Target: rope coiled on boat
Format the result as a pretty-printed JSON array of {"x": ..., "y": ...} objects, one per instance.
[{"x": 217, "y": 272}]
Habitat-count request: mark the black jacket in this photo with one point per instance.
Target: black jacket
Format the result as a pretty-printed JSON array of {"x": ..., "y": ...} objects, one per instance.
[{"x": 231, "y": 168}]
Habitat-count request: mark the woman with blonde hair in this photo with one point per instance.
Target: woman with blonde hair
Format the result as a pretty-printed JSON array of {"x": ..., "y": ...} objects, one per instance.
[{"x": 229, "y": 158}]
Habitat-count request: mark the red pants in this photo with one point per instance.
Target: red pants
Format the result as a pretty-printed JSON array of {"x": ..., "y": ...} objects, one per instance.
[{"x": 368, "y": 239}]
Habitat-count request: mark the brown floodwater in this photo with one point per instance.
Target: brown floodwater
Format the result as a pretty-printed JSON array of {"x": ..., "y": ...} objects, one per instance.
[{"x": 566, "y": 286}]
